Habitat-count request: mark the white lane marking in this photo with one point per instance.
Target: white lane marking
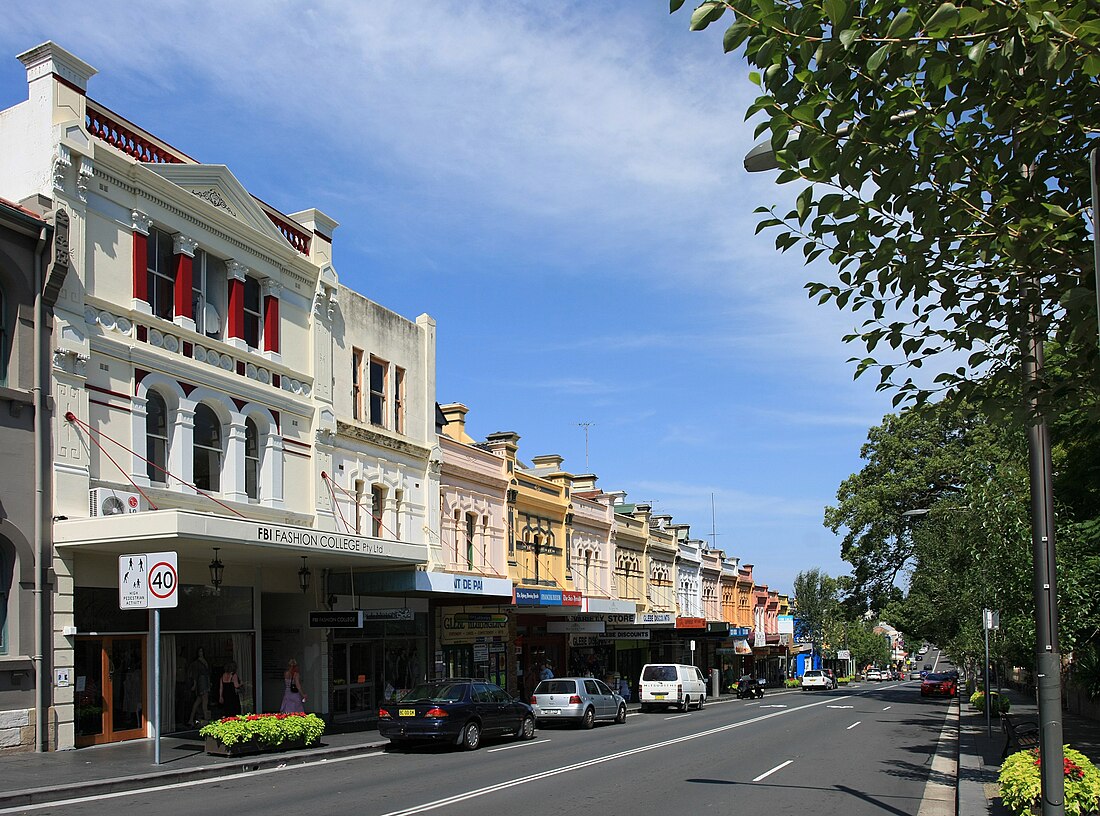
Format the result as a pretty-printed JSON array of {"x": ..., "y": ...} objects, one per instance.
[
  {"x": 773, "y": 705},
  {"x": 213, "y": 780},
  {"x": 517, "y": 745},
  {"x": 778, "y": 767},
  {"x": 840, "y": 706},
  {"x": 677, "y": 716},
  {"x": 462, "y": 797},
  {"x": 887, "y": 708},
  {"x": 853, "y": 725}
]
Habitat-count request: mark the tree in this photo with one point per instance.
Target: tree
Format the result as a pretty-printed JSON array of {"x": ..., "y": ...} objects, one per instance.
[
  {"x": 946, "y": 154},
  {"x": 815, "y": 605}
]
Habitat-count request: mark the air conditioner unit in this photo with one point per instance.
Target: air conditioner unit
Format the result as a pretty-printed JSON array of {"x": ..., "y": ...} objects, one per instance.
[{"x": 105, "y": 501}]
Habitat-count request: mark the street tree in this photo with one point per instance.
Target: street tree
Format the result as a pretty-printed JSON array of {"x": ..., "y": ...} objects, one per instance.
[
  {"x": 944, "y": 152},
  {"x": 815, "y": 606}
]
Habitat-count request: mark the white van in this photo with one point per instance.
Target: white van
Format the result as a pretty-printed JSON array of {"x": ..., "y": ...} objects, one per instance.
[{"x": 671, "y": 684}]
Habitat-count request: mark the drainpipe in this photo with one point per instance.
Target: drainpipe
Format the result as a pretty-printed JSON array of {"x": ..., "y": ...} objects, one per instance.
[{"x": 42, "y": 680}]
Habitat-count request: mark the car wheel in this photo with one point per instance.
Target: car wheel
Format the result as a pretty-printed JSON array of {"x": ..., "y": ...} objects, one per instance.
[
  {"x": 702, "y": 701},
  {"x": 526, "y": 728},
  {"x": 471, "y": 736},
  {"x": 589, "y": 718},
  {"x": 644, "y": 707},
  {"x": 685, "y": 705},
  {"x": 620, "y": 717}
]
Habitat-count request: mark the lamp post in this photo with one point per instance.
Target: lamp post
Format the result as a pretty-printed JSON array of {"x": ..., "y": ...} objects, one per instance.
[{"x": 1048, "y": 659}]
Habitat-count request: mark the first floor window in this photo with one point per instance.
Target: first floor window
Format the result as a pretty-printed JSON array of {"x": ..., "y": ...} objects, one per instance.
[
  {"x": 377, "y": 504},
  {"x": 399, "y": 399},
  {"x": 156, "y": 438},
  {"x": 208, "y": 449},
  {"x": 357, "y": 383},
  {"x": 471, "y": 530},
  {"x": 378, "y": 391},
  {"x": 251, "y": 459},
  {"x": 207, "y": 280},
  {"x": 161, "y": 274},
  {"x": 253, "y": 312}
]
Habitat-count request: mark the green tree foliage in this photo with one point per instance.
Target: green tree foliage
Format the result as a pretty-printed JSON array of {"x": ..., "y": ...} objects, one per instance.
[
  {"x": 815, "y": 605},
  {"x": 944, "y": 153}
]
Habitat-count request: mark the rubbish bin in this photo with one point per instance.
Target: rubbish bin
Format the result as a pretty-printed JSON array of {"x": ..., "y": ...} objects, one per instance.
[{"x": 715, "y": 683}]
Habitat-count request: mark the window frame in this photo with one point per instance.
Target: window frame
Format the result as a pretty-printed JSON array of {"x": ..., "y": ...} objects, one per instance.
[
  {"x": 380, "y": 394},
  {"x": 157, "y": 472},
  {"x": 399, "y": 377},
  {"x": 357, "y": 383},
  {"x": 156, "y": 277},
  {"x": 253, "y": 321},
  {"x": 214, "y": 476},
  {"x": 377, "y": 508},
  {"x": 253, "y": 463}
]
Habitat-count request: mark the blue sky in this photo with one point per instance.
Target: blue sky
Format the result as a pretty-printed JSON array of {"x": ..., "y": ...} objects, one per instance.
[{"x": 560, "y": 186}]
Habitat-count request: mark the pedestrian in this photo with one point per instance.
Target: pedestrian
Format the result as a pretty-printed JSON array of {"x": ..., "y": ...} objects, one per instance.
[
  {"x": 199, "y": 675},
  {"x": 293, "y": 697},
  {"x": 624, "y": 688},
  {"x": 228, "y": 691},
  {"x": 547, "y": 672}
]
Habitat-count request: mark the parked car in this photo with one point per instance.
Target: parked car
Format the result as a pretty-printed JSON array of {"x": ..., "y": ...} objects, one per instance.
[
  {"x": 579, "y": 700},
  {"x": 815, "y": 679},
  {"x": 671, "y": 684},
  {"x": 459, "y": 711},
  {"x": 873, "y": 674},
  {"x": 939, "y": 685},
  {"x": 916, "y": 675}
]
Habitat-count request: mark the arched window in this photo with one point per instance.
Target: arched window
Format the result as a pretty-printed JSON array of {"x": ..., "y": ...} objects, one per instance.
[
  {"x": 471, "y": 528},
  {"x": 156, "y": 438},
  {"x": 208, "y": 449},
  {"x": 251, "y": 459}
]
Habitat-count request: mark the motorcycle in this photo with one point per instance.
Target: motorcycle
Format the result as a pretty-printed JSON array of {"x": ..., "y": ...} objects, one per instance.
[{"x": 748, "y": 689}]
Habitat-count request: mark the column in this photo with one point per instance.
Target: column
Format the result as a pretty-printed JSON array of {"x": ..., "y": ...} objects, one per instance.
[
  {"x": 184, "y": 249},
  {"x": 271, "y": 471},
  {"x": 139, "y": 471},
  {"x": 235, "y": 274},
  {"x": 141, "y": 224},
  {"x": 181, "y": 449},
  {"x": 271, "y": 290},
  {"x": 233, "y": 487}
]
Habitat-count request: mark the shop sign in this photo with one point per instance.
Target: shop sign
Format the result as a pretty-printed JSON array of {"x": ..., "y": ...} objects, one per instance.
[
  {"x": 624, "y": 634},
  {"x": 571, "y": 598},
  {"x": 718, "y": 627},
  {"x": 691, "y": 623},
  {"x": 350, "y": 619},
  {"x": 582, "y": 640},
  {"x": 620, "y": 618},
  {"x": 481, "y": 652},
  {"x": 320, "y": 540},
  {"x": 450, "y": 582},
  {"x": 741, "y": 647},
  {"x": 401, "y": 613},
  {"x": 463, "y": 627},
  {"x": 843, "y": 654},
  {"x": 538, "y": 597},
  {"x": 481, "y": 616},
  {"x": 611, "y": 605},
  {"x": 559, "y": 627},
  {"x": 654, "y": 618},
  {"x": 739, "y": 631},
  {"x": 785, "y": 624},
  {"x": 760, "y": 637}
]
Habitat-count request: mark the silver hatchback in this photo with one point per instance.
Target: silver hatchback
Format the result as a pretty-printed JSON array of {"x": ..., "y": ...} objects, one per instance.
[{"x": 580, "y": 700}]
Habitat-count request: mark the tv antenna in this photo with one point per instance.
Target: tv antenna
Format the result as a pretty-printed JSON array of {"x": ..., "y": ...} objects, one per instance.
[
  {"x": 713, "y": 529},
  {"x": 586, "y": 426}
]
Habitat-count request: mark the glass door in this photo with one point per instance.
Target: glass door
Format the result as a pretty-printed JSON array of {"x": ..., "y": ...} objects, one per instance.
[
  {"x": 353, "y": 685},
  {"x": 110, "y": 698}
]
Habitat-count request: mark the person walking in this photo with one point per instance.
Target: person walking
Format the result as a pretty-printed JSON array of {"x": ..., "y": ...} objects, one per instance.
[
  {"x": 228, "y": 689},
  {"x": 293, "y": 698}
]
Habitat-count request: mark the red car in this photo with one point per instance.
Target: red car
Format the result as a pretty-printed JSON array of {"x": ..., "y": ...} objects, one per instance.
[{"x": 939, "y": 685}]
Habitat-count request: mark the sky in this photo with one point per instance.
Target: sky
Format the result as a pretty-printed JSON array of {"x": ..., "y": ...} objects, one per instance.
[{"x": 560, "y": 186}]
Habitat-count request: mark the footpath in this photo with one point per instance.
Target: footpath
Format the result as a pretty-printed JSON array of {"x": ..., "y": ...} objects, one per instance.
[{"x": 38, "y": 778}]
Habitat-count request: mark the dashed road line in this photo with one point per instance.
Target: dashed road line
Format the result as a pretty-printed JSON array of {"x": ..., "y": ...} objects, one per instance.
[{"x": 778, "y": 767}]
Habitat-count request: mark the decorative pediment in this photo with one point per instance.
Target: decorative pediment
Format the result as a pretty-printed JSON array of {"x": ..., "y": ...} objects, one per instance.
[{"x": 217, "y": 186}]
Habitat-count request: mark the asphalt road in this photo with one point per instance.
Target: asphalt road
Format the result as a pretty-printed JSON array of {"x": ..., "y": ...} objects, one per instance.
[{"x": 864, "y": 750}]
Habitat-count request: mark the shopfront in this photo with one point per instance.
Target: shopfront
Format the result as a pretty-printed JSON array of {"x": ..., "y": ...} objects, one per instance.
[{"x": 475, "y": 641}]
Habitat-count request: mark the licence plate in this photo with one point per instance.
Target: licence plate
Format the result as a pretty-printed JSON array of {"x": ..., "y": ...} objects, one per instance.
[
  {"x": 660, "y": 694},
  {"x": 551, "y": 711},
  {"x": 406, "y": 712}
]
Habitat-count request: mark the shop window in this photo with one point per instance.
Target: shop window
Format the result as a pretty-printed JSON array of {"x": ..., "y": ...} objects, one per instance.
[
  {"x": 377, "y": 504},
  {"x": 357, "y": 383},
  {"x": 160, "y": 272},
  {"x": 207, "y": 286},
  {"x": 253, "y": 312},
  {"x": 399, "y": 399},
  {"x": 251, "y": 459},
  {"x": 378, "y": 391},
  {"x": 208, "y": 449},
  {"x": 156, "y": 438}
]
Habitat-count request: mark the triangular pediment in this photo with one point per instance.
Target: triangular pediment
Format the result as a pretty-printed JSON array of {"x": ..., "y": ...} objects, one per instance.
[{"x": 217, "y": 186}]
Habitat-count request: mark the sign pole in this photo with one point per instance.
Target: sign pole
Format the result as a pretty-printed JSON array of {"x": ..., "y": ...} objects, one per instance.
[
  {"x": 987, "y": 616},
  {"x": 156, "y": 686}
]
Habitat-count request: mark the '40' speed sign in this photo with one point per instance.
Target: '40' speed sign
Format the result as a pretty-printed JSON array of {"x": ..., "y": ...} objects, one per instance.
[{"x": 148, "y": 581}]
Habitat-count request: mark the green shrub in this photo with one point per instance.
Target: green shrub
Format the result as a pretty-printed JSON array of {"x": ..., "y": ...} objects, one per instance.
[
  {"x": 1021, "y": 784},
  {"x": 269, "y": 730},
  {"x": 843, "y": 681},
  {"x": 792, "y": 682},
  {"x": 1001, "y": 704}
]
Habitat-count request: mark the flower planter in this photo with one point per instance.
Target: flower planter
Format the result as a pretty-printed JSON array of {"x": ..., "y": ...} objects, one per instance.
[{"x": 215, "y": 747}]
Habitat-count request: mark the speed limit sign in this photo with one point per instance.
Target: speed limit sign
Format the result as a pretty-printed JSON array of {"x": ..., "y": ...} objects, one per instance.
[
  {"x": 163, "y": 580},
  {"x": 148, "y": 581}
]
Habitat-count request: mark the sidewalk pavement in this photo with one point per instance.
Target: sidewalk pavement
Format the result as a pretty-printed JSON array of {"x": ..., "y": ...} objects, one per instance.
[
  {"x": 129, "y": 765},
  {"x": 980, "y": 751}
]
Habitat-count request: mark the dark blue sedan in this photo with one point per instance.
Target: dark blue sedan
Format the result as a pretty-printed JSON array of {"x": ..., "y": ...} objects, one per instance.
[{"x": 457, "y": 711}]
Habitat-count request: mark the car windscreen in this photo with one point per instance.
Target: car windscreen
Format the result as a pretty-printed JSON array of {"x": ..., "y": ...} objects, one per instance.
[
  {"x": 936, "y": 678},
  {"x": 436, "y": 693},
  {"x": 659, "y": 674},
  {"x": 556, "y": 687},
  {"x": 813, "y": 673}
]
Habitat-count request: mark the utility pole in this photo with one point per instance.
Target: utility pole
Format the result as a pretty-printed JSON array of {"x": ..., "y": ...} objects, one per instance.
[{"x": 586, "y": 426}]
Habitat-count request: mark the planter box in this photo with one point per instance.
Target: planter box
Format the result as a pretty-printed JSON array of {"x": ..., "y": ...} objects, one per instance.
[{"x": 216, "y": 747}]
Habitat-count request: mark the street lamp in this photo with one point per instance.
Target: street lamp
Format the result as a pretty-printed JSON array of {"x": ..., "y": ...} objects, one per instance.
[{"x": 1048, "y": 659}]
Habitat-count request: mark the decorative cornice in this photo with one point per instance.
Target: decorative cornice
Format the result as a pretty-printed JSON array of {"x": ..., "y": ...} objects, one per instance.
[
  {"x": 270, "y": 286},
  {"x": 362, "y": 434},
  {"x": 214, "y": 197},
  {"x": 140, "y": 222},
  {"x": 236, "y": 270},
  {"x": 61, "y": 163},
  {"x": 84, "y": 178},
  {"x": 182, "y": 245}
]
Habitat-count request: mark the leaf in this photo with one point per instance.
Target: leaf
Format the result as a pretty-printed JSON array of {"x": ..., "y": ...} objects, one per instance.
[
  {"x": 837, "y": 11},
  {"x": 849, "y": 36},
  {"x": 674, "y": 6},
  {"x": 876, "y": 59},
  {"x": 945, "y": 18},
  {"x": 901, "y": 25},
  {"x": 706, "y": 14}
]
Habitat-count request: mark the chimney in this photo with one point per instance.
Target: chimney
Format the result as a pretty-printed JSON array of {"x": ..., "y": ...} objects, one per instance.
[
  {"x": 584, "y": 482},
  {"x": 454, "y": 415},
  {"x": 550, "y": 461},
  {"x": 50, "y": 59},
  {"x": 322, "y": 227},
  {"x": 504, "y": 444}
]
